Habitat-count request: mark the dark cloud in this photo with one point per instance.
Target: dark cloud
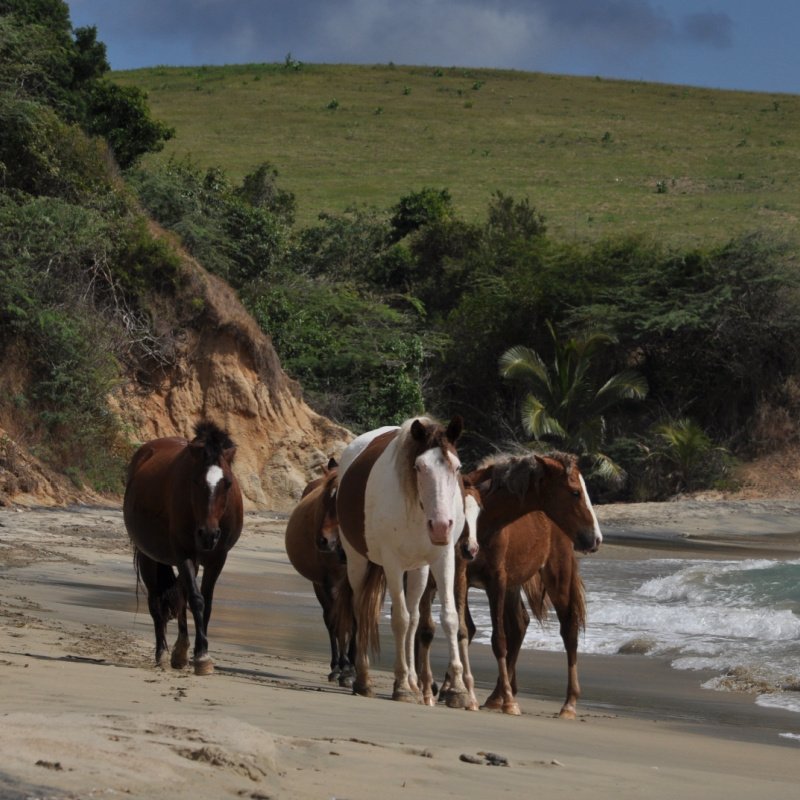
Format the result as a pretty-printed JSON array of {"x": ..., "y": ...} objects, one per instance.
[
  {"x": 625, "y": 22},
  {"x": 709, "y": 28}
]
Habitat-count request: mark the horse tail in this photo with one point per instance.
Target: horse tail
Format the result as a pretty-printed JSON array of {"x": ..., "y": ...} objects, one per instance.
[
  {"x": 368, "y": 612},
  {"x": 163, "y": 589},
  {"x": 538, "y": 600},
  {"x": 537, "y": 597}
]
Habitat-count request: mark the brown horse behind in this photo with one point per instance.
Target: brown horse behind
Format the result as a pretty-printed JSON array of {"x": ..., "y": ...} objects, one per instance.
[
  {"x": 183, "y": 508},
  {"x": 313, "y": 548}
]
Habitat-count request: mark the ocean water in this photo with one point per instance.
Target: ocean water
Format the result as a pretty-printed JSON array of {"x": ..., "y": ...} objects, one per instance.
[{"x": 738, "y": 618}]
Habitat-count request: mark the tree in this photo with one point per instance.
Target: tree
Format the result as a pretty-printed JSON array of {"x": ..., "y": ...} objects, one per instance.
[
  {"x": 566, "y": 405},
  {"x": 418, "y": 209},
  {"x": 41, "y": 61}
]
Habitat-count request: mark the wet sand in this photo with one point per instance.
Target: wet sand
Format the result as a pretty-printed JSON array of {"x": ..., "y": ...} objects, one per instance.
[{"x": 85, "y": 713}]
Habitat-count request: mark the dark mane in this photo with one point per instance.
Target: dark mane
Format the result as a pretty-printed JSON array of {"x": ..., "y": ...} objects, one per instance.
[
  {"x": 214, "y": 439},
  {"x": 514, "y": 472}
]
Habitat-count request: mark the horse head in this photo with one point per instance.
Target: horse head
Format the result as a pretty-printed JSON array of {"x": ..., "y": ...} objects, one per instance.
[
  {"x": 565, "y": 500},
  {"x": 468, "y": 541},
  {"x": 211, "y": 453},
  {"x": 328, "y": 535},
  {"x": 436, "y": 468},
  {"x": 550, "y": 483}
]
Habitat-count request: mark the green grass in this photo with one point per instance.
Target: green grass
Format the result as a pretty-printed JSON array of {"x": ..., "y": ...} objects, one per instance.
[{"x": 596, "y": 157}]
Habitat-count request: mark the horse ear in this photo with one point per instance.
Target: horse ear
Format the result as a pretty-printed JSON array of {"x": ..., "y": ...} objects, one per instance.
[
  {"x": 332, "y": 463},
  {"x": 455, "y": 428},
  {"x": 418, "y": 431}
]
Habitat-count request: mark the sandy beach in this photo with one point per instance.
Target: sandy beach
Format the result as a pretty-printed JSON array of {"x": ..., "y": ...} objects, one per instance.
[{"x": 84, "y": 713}]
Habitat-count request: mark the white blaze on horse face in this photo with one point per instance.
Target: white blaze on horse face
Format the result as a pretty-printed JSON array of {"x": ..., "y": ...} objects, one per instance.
[
  {"x": 471, "y": 513},
  {"x": 437, "y": 485},
  {"x": 598, "y": 536},
  {"x": 213, "y": 477}
]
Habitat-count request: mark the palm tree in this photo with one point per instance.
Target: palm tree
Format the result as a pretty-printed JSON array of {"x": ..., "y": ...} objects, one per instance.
[
  {"x": 688, "y": 450},
  {"x": 565, "y": 404}
]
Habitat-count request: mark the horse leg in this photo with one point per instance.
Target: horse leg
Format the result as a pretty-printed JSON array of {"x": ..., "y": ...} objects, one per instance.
[
  {"x": 502, "y": 696},
  {"x": 326, "y": 601},
  {"x": 424, "y": 639},
  {"x": 517, "y": 620},
  {"x": 180, "y": 650},
  {"x": 444, "y": 574},
  {"x": 460, "y": 594},
  {"x": 203, "y": 665},
  {"x": 405, "y": 688},
  {"x": 187, "y": 573},
  {"x": 566, "y": 595},
  {"x": 159, "y": 600},
  {"x": 357, "y": 567},
  {"x": 417, "y": 582}
]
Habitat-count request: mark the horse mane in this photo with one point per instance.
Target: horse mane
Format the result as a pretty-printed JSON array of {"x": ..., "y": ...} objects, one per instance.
[
  {"x": 409, "y": 449},
  {"x": 514, "y": 471},
  {"x": 215, "y": 440}
]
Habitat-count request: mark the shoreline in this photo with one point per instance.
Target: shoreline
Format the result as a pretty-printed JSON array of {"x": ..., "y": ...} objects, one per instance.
[{"x": 75, "y": 661}]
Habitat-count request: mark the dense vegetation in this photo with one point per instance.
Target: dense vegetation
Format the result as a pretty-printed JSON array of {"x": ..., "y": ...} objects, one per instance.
[
  {"x": 382, "y": 311},
  {"x": 76, "y": 258}
]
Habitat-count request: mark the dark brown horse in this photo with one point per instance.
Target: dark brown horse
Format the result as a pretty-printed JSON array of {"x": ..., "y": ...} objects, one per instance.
[
  {"x": 313, "y": 548},
  {"x": 183, "y": 508},
  {"x": 519, "y": 548}
]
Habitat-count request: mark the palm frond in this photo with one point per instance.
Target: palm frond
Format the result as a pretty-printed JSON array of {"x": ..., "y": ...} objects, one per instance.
[{"x": 538, "y": 422}]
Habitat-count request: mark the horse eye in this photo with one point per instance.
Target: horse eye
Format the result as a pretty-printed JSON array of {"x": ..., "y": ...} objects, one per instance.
[{"x": 576, "y": 493}]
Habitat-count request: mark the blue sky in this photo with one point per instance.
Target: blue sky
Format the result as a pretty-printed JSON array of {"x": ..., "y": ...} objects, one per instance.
[{"x": 727, "y": 44}]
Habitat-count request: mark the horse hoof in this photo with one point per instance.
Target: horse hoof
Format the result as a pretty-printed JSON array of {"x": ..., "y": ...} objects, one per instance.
[
  {"x": 456, "y": 700},
  {"x": 428, "y": 700},
  {"x": 512, "y": 709},
  {"x": 346, "y": 681},
  {"x": 403, "y": 696},
  {"x": 179, "y": 658},
  {"x": 568, "y": 712},
  {"x": 334, "y": 676},
  {"x": 362, "y": 689},
  {"x": 493, "y": 704},
  {"x": 162, "y": 660},
  {"x": 203, "y": 666}
]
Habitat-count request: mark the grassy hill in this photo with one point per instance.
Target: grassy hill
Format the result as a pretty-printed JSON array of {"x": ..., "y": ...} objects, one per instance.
[{"x": 595, "y": 156}]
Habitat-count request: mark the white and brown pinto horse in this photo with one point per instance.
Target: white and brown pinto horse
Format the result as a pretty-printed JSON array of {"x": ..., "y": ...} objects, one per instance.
[{"x": 400, "y": 507}]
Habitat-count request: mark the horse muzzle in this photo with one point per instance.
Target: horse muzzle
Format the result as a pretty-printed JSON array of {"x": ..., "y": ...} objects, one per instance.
[
  {"x": 588, "y": 542},
  {"x": 207, "y": 538},
  {"x": 327, "y": 542},
  {"x": 469, "y": 551},
  {"x": 439, "y": 531}
]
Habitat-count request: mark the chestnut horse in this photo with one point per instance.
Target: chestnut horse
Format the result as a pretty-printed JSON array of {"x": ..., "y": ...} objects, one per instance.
[
  {"x": 183, "y": 508},
  {"x": 400, "y": 507},
  {"x": 312, "y": 544},
  {"x": 557, "y": 581},
  {"x": 516, "y": 546}
]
